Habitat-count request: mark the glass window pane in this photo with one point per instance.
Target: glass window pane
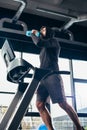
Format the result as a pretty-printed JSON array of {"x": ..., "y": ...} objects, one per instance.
[
  {"x": 81, "y": 97},
  {"x": 32, "y": 59},
  {"x": 64, "y": 65},
  {"x": 80, "y": 69},
  {"x": 5, "y": 99},
  {"x": 67, "y": 85}
]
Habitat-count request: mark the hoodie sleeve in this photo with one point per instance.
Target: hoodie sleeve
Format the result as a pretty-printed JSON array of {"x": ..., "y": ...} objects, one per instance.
[{"x": 40, "y": 42}]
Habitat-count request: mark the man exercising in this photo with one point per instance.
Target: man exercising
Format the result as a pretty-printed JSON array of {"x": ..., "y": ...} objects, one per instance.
[{"x": 53, "y": 85}]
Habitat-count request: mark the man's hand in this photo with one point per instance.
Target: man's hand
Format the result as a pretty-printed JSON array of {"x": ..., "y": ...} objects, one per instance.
[{"x": 36, "y": 32}]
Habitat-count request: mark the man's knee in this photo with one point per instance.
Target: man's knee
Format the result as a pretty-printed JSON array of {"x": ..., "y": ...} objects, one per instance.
[
  {"x": 63, "y": 105},
  {"x": 40, "y": 105}
]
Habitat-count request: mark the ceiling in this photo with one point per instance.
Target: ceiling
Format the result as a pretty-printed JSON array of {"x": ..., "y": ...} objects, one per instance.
[
  {"x": 63, "y": 14},
  {"x": 69, "y": 11}
]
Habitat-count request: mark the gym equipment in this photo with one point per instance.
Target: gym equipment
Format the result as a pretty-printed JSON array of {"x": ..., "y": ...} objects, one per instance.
[
  {"x": 18, "y": 28},
  {"x": 16, "y": 67},
  {"x": 23, "y": 96},
  {"x": 20, "y": 10},
  {"x": 14, "y": 25},
  {"x": 73, "y": 19}
]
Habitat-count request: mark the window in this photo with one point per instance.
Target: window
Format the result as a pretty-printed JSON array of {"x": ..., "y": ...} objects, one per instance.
[
  {"x": 64, "y": 65},
  {"x": 80, "y": 69},
  {"x": 80, "y": 81},
  {"x": 81, "y": 96}
]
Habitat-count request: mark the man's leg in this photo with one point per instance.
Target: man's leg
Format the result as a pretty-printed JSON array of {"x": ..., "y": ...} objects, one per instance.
[
  {"x": 72, "y": 114},
  {"x": 45, "y": 115}
]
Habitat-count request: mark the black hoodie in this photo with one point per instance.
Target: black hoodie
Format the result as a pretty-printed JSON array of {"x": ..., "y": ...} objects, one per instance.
[{"x": 50, "y": 50}]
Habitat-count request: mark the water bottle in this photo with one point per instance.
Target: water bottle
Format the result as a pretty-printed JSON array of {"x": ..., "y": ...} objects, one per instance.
[{"x": 28, "y": 33}]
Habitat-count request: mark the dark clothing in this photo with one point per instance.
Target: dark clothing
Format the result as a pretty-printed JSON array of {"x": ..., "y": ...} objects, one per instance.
[
  {"x": 49, "y": 54},
  {"x": 53, "y": 85}
]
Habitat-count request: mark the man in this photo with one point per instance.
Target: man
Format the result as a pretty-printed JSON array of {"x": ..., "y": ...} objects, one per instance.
[{"x": 53, "y": 85}]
